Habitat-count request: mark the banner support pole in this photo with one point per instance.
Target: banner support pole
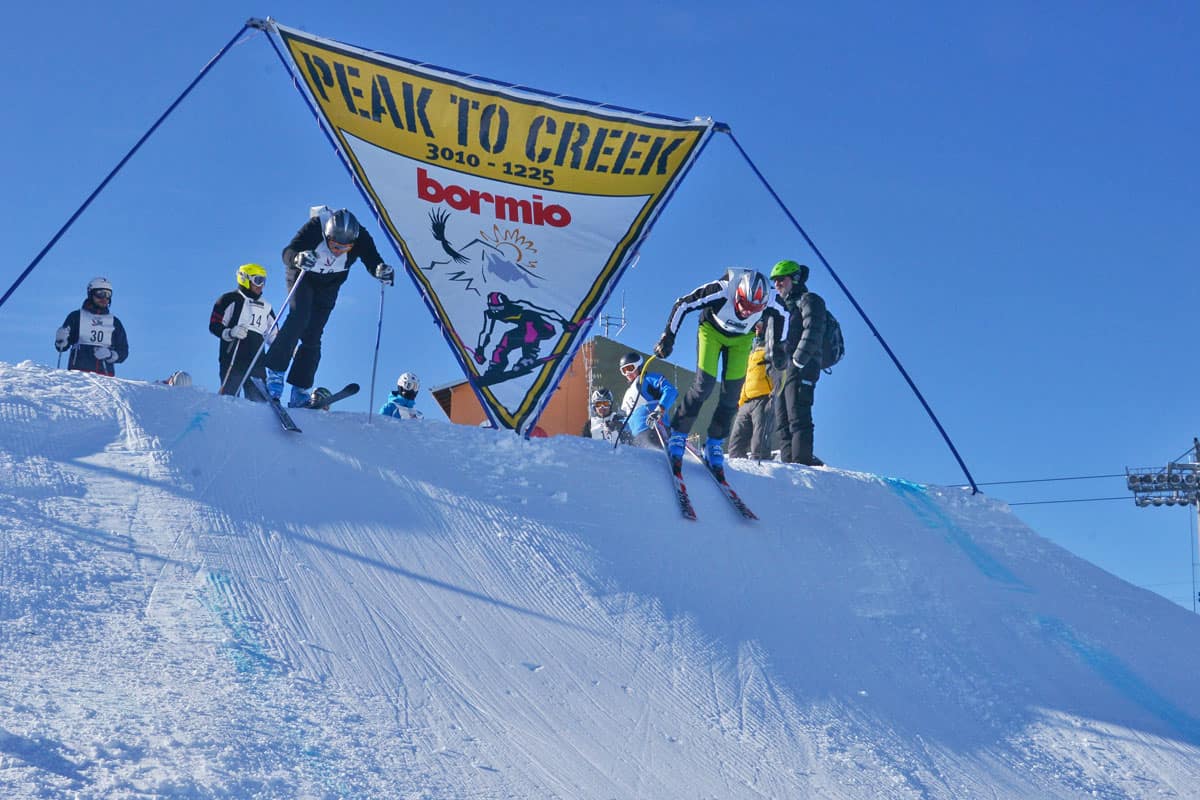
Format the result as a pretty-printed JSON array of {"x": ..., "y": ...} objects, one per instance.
[
  {"x": 945, "y": 436},
  {"x": 95, "y": 192}
]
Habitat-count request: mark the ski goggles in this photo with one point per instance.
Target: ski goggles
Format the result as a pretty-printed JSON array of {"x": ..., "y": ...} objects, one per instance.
[
  {"x": 631, "y": 369},
  {"x": 257, "y": 280},
  {"x": 338, "y": 248},
  {"x": 602, "y": 407},
  {"x": 104, "y": 293}
]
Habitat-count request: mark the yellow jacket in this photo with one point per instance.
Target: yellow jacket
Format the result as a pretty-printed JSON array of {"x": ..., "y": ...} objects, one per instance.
[{"x": 757, "y": 383}]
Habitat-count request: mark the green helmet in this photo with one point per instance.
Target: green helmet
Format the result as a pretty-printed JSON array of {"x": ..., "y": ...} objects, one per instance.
[{"x": 786, "y": 267}]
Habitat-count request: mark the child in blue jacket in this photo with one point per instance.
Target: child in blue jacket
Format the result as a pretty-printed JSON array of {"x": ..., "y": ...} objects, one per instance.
[{"x": 657, "y": 395}]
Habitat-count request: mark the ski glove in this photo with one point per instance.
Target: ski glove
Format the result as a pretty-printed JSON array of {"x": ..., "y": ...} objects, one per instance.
[
  {"x": 62, "y": 339},
  {"x": 103, "y": 354},
  {"x": 305, "y": 260},
  {"x": 656, "y": 412},
  {"x": 797, "y": 362},
  {"x": 236, "y": 332},
  {"x": 479, "y": 356},
  {"x": 665, "y": 345},
  {"x": 385, "y": 274}
]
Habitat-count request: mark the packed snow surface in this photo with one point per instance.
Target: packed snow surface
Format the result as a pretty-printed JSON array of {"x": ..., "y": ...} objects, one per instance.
[{"x": 196, "y": 604}]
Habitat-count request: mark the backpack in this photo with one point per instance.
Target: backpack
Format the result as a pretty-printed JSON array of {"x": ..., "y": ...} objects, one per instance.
[{"x": 833, "y": 346}]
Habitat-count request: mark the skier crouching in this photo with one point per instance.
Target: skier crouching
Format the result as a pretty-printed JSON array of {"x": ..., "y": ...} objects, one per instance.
[
  {"x": 730, "y": 308},
  {"x": 659, "y": 394}
]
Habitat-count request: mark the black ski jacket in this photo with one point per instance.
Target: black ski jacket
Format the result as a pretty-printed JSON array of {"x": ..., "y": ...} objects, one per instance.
[
  {"x": 805, "y": 314},
  {"x": 311, "y": 235},
  {"x": 83, "y": 352}
]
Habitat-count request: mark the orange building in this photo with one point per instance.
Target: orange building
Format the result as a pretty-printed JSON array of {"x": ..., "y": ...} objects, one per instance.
[{"x": 594, "y": 365}]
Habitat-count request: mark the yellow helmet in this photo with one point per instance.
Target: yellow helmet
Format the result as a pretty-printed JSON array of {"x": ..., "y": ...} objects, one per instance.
[{"x": 251, "y": 274}]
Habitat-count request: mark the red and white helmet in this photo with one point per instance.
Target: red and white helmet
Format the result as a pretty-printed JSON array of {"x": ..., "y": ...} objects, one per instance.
[{"x": 751, "y": 295}]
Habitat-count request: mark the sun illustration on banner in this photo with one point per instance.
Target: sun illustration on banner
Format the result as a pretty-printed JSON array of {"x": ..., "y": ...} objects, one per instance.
[
  {"x": 513, "y": 242},
  {"x": 506, "y": 254}
]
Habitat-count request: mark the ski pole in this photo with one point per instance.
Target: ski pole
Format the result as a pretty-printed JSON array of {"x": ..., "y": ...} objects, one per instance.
[
  {"x": 70, "y": 358},
  {"x": 232, "y": 361},
  {"x": 636, "y": 400},
  {"x": 375, "y": 361},
  {"x": 275, "y": 324}
]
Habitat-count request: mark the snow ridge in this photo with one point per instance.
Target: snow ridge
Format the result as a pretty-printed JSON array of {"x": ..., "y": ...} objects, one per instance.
[{"x": 194, "y": 605}]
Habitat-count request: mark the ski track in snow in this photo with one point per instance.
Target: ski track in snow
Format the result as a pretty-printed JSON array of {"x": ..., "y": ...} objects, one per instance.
[{"x": 194, "y": 605}]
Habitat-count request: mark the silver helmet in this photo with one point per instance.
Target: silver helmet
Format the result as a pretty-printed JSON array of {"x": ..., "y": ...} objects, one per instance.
[{"x": 342, "y": 228}]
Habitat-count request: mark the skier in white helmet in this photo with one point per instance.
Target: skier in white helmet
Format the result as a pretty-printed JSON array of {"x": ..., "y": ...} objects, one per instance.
[
  {"x": 603, "y": 422},
  {"x": 403, "y": 398},
  {"x": 93, "y": 334}
]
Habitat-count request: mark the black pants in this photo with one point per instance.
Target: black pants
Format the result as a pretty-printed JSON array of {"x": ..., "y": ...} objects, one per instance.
[
  {"x": 701, "y": 388},
  {"x": 793, "y": 413},
  {"x": 308, "y": 311},
  {"x": 239, "y": 354}
]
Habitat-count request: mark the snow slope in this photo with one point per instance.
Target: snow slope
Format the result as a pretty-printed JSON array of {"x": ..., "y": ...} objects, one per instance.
[{"x": 195, "y": 604}]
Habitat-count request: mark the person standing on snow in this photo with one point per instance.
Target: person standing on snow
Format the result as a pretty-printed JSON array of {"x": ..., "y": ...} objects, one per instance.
[
  {"x": 403, "y": 398},
  {"x": 730, "y": 307},
  {"x": 754, "y": 423},
  {"x": 318, "y": 261},
  {"x": 799, "y": 359},
  {"x": 602, "y": 423},
  {"x": 242, "y": 320},
  {"x": 93, "y": 334},
  {"x": 655, "y": 389}
]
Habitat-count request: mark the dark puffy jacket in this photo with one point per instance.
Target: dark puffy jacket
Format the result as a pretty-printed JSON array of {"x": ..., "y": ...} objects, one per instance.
[{"x": 805, "y": 325}]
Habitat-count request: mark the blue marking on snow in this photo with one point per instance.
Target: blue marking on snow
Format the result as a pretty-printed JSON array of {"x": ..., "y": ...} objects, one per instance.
[
  {"x": 1122, "y": 678},
  {"x": 196, "y": 424},
  {"x": 916, "y": 497},
  {"x": 248, "y": 655}
]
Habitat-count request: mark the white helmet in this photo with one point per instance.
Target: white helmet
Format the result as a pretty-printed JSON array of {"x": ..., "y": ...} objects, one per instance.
[
  {"x": 99, "y": 283},
  {"x": 180, "y": 378},
  {"x": 407, "y": 385}
]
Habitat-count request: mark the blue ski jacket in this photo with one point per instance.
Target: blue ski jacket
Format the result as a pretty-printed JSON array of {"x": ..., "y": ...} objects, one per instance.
[
  {"x": 400, "y": 407},
  {"x": 656, "y": 391}
]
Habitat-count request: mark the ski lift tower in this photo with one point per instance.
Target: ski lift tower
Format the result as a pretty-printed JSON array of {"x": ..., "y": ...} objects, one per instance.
[
  {"x": 1176, "y": 484},
  {"x": 609, "y": 320}
]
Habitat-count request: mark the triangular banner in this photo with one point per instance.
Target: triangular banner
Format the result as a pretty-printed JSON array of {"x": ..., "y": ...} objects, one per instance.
[{"x": 516, "y": 212}]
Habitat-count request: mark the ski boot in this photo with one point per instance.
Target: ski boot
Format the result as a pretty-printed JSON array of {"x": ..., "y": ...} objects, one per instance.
[
  {"x": 275, "y": 383},
  {"x": 714, "y": 458},
  {"x": 299, "y": 398},
  {"x": 675, "y": 446}
]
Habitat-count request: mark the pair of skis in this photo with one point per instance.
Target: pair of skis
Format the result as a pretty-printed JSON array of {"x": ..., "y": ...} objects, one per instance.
[
  {"x": 285, "y": 419},
  {"x": 681, "y": 494}
]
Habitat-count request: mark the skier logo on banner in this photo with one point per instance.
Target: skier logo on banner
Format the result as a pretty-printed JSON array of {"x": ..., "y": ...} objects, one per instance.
[{"x": 531, "y": 325}]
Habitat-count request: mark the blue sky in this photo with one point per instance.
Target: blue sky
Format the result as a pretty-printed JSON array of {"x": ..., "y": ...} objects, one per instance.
[{"x": 1010, "y": 193}]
